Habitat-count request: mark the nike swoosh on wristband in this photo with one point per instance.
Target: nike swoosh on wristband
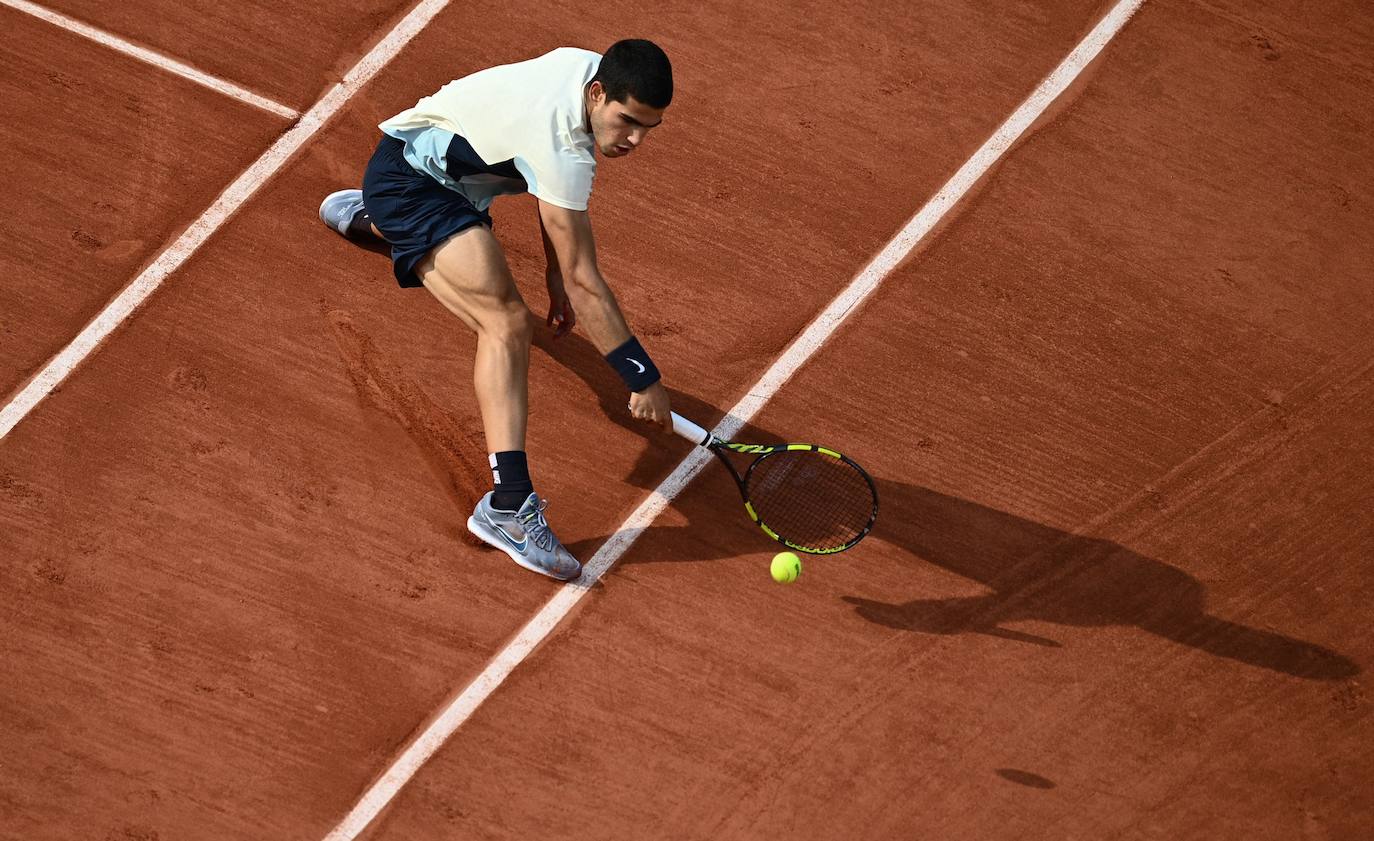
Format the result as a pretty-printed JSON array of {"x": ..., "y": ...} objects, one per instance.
[{"x": 636, "y": 363}]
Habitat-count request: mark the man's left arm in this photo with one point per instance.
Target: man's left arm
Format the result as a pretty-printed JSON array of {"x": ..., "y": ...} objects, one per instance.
[{"x": 562, "y": 317}]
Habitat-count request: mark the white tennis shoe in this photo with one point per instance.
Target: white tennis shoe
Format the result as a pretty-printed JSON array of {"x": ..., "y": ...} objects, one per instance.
[
  {"x": 525, "y": 536},
  {"x": 340, "y": 208}
]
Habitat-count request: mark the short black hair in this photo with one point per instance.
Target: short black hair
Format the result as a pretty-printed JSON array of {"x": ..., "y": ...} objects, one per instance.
[{"x": 638, "y": 68}]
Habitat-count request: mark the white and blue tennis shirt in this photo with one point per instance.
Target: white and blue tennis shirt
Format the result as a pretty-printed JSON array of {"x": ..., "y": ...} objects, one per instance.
[{"x": 525, "y": 128}]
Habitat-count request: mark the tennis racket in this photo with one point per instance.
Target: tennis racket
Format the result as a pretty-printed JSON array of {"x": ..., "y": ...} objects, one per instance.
[{"x": 805, "y": 497}]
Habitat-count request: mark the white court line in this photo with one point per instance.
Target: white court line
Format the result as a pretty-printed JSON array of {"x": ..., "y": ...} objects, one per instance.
[
  {"x": 466, "y": 703},
  {"x": 214, "y": 216},
  {"x": 157, "y": 59}
]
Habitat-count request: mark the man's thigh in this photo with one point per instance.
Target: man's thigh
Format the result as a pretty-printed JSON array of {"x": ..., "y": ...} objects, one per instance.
[{"x": 469, "y": 275}]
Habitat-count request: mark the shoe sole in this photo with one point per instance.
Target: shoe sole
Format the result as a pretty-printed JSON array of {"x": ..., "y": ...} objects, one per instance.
[{"x": 495, "y": 542}]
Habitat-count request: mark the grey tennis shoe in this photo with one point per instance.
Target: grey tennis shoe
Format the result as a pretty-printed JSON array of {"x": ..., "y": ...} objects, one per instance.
[
  {"x": 339, "y": 209},
  {"x": 525, "y": 536}
]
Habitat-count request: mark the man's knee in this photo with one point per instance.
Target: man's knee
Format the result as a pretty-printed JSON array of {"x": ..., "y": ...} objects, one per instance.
[{"x": 512, "y": 326}]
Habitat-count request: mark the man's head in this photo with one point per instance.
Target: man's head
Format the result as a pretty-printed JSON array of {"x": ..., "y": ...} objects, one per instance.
[{"x": 628, "y": 95}]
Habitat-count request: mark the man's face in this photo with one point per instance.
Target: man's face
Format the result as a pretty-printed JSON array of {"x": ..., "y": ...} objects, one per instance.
[{"x": 619, "y": 127}]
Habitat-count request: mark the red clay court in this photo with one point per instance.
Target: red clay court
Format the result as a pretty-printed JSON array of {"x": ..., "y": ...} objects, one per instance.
[{"x": 1111, "y": 370}]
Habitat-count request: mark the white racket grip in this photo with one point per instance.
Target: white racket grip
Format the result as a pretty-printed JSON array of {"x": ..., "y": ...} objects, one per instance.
[{"x": 690, "y": 431}]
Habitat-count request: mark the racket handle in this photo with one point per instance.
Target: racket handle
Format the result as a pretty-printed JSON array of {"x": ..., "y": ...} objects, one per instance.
[{"x": 690, "y": 431}]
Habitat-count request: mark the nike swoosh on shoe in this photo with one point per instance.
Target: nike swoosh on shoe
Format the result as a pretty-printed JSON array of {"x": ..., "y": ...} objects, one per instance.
[{"x": 520, "y": 546}]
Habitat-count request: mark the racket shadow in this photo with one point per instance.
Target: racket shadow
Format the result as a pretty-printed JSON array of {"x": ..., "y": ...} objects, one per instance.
[{"x": 1034, "y": 572}]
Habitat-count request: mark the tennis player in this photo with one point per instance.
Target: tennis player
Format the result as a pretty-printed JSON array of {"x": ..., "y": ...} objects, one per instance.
[{"x": 536, "y": 126}]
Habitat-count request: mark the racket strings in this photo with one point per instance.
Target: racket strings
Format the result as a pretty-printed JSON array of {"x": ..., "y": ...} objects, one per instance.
[{"x": 811, "y": 499}]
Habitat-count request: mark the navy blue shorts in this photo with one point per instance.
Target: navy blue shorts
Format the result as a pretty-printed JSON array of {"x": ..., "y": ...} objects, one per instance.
[{"x": 413, "y": 211}]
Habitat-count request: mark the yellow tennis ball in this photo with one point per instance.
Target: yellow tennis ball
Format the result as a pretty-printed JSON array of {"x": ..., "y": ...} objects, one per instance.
[{"x": 786, "y": 567}]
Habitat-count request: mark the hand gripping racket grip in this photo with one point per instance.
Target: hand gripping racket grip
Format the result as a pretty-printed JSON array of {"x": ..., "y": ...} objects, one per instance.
[{"x": 691, "y": 431}]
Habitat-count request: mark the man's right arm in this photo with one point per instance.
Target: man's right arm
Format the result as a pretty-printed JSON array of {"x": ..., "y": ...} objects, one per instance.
[{"x": 570, "y": 233}]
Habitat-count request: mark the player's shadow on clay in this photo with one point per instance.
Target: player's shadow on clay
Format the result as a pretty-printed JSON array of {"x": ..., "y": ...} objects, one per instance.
[
  {"x": 1036, "y": 572},
  {"x": 1032, "y": 571}
]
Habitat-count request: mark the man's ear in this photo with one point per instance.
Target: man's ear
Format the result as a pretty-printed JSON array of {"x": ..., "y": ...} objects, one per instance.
[{"x": 597, "y": 92}]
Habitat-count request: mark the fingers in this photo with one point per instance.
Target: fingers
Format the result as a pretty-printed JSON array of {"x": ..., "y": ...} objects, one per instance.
[
  {"x": 561, "y": 319},
  {"x": 650, "y": 414}
]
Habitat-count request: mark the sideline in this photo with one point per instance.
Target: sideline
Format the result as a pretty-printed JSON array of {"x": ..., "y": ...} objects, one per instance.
[
  {"x": 60, "y": 366},
  {"x": 167, "y": 63}
]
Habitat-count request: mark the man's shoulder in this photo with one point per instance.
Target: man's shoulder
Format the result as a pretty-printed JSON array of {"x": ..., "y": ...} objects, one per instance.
[
  {"x": 572, "y": 55},
  {"x": 563, "y": 63},
  {"x": 551, "y": 69}
]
